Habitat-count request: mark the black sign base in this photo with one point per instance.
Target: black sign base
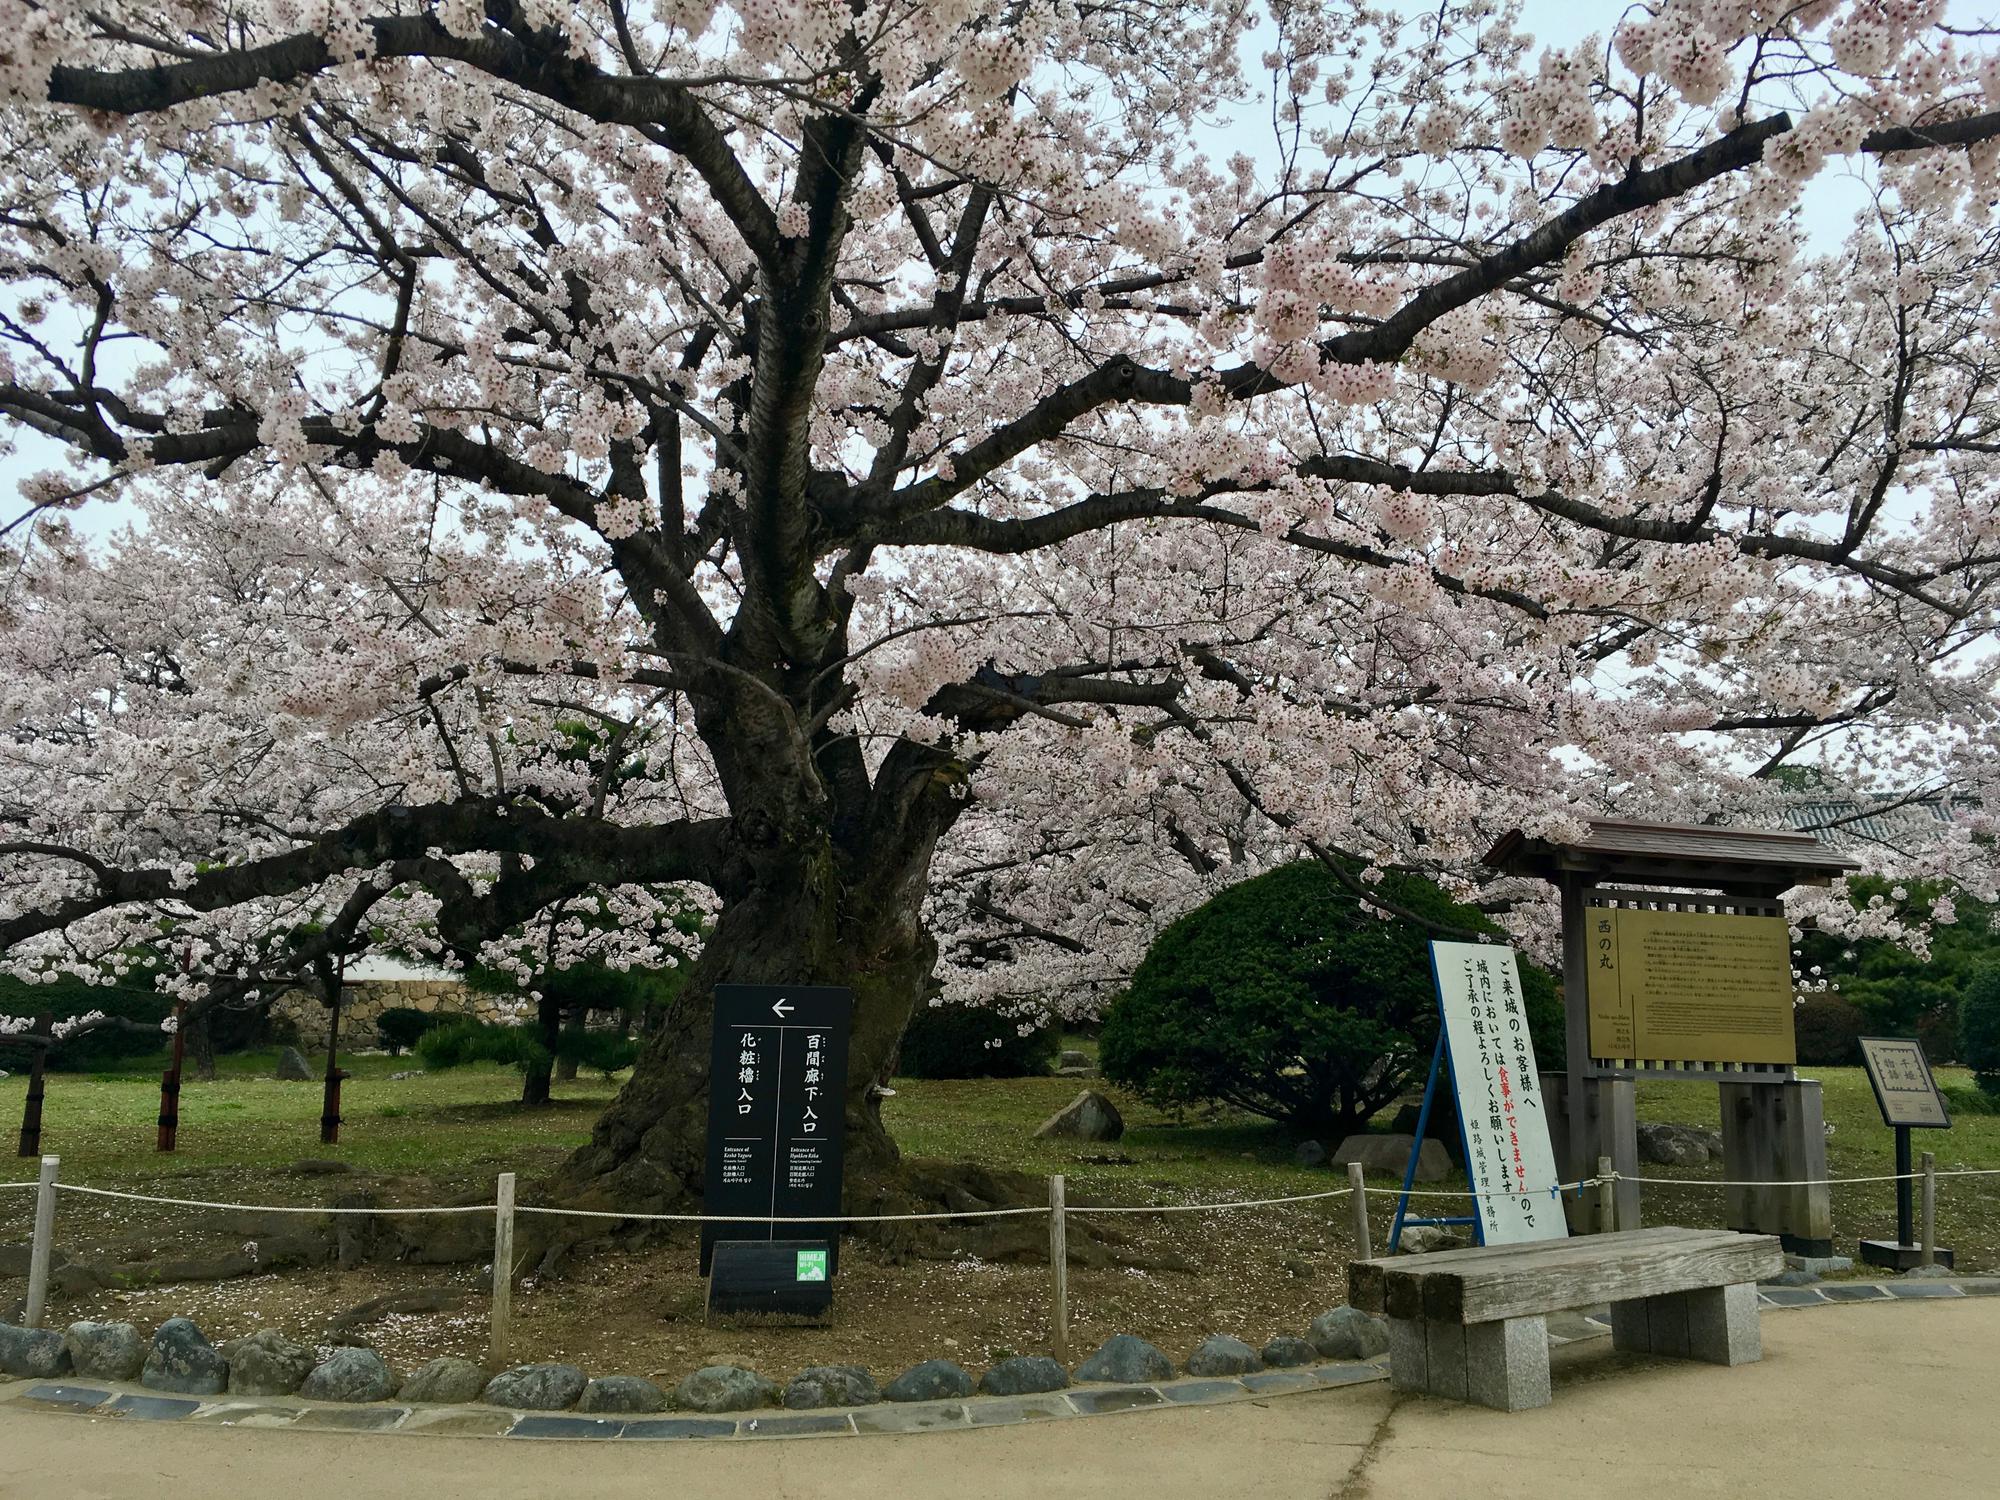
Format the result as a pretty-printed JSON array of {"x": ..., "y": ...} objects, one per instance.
[
  {"x": 1894, "y": 1257},
  {"x": 782, "y": 1278}
]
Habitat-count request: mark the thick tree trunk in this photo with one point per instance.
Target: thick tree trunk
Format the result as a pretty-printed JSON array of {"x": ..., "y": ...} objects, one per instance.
[
  {"x": 202, "y": 1044},
  {"x": 649, "y": 1147},
  {"x": 536, "y": 1077}
]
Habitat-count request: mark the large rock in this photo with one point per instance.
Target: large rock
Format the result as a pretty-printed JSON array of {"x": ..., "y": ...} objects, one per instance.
[
  {"x": 1284, "y": 1351},
  {"x": 350, "y": 1375},
  {"x": 1219, "y": 1354},
  {"x": 933, "y": 1380},
  {"x": 1088, "y": 1117},
  {"x": 449, "y": 1381},
  {"x": 1023, "y": 1375},
  {"x": 105, "y": 1351},
  {"x": 831, "y": 1385},
  {"x": 1072, "y": 1059},
  {"x": 1347, "y": 1333},
  {"x": 1390, "y": 1154},
  {"x": 1124, "y": 1359},
  {"x": 1678, "y": 1145},
  {"x": 267, "y": 1364},
  {"x": 1309, "y": 1154},
  {"x": 293, "y": 1067},
  {"x": 720, "y": 1388},
  {"x": 184, "y": 1362},
  {"x": 622, "y": 1393},
  {"x": 32, "y": 1352},
  {"x": 536, "y": 1387}
]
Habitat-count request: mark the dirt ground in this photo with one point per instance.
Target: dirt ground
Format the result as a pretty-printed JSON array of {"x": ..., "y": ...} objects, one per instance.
[{"x": 641, "y": 1311}]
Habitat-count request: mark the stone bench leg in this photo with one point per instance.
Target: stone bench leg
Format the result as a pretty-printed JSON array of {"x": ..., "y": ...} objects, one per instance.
[
  {"x": 1503, "y": 1365},
  {"x": 1717, "y": 1326}
]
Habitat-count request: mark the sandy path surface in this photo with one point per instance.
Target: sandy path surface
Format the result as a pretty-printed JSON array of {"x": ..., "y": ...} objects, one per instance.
[{"x": 1857, "y": 1401}]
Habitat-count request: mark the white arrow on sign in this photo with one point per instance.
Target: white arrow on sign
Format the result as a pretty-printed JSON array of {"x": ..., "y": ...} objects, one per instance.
[{"x": 780, "y": 1009}]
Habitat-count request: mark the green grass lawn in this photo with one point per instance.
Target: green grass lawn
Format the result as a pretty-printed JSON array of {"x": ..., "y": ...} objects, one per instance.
[{"x": 452, "y": 1132}]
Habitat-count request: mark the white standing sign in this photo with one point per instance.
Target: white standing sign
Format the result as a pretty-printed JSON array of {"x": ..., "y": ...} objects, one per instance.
[{"x": 1508, "y": 1159}]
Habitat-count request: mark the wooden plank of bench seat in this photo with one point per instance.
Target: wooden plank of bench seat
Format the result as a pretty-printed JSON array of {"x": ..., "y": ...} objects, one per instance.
[
  {"x": 1367, "y": 1279},
  {"x": 1513, "y": 1285},
  {"x": 1561, "y": 1274},
  {"x": 1405, "y": 1293}
]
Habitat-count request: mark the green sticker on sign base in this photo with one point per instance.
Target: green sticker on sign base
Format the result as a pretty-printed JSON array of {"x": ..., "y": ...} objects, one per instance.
[{"x": 812, "y": 1265}]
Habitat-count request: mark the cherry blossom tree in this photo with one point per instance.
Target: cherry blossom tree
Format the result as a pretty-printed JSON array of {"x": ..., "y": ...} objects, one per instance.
[{"x": 960, "y": 499}]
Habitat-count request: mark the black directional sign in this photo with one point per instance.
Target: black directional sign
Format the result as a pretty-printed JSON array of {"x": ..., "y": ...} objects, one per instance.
[{"x": 777, "y": 1079}]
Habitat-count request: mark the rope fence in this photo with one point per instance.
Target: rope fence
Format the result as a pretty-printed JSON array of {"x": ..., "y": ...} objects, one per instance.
[{"x": 1057, "y": 1211}]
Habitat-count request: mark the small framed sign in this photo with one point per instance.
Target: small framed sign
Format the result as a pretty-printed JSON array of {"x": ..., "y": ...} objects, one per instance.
[{"x": 1904, "y": 1088}]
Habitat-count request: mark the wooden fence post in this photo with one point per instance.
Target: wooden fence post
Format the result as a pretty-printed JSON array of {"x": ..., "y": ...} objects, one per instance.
[
  {"x": 1059, "y": 1266},
  {"x": 43, "y": 1248},
  {"x": 1607, "y": 1197},
  {"x": 1357, "y": 1205},
  {"x": 503, "y": 1273},
  {"x": 1928, "y": 1255}
]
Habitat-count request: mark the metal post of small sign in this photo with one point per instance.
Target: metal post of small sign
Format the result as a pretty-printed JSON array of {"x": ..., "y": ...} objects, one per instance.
[
  {"x": 1403, "y": 1216},
  {"x": 1907, "y": 1094},
  {"x": 38, "y": 1072},
  {"x": 42, "y": 1250},
  {"x": 1059, "y": 1266}
]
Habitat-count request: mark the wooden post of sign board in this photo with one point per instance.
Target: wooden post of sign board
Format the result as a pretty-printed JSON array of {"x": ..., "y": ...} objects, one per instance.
[
  {"x": 1059, "y": 1267},
  {"x": 1775, "y": 1133},
  {"x": 1603, "y": 1113}
]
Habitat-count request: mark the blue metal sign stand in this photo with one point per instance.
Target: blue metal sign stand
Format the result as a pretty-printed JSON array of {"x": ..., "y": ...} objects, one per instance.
[{"x": 1440, "y": 1063}]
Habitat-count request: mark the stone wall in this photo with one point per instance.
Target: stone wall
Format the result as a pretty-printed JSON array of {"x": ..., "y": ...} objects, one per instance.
[{"x": 364, "y": 1000}]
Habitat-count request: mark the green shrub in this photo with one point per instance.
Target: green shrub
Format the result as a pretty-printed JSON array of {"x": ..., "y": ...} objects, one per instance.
[
  {"x": 1937, "y": 1029},
  {"x": 605, "y": 1052},
  {"x": 1979, "y": 1027},
  {"x": 970, "y": 1041},
  {"x": 466, "y": 1040},
  {"x": 1829, "y": 1032},
  {"x": 1969, "y": 1101},
  {"x": 1284, "y": 997},
  {"x": 401, "y": 1026}
]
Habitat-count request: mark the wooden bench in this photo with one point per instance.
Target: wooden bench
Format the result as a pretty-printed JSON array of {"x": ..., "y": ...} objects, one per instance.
[{"x": 1471, "y": 1324}]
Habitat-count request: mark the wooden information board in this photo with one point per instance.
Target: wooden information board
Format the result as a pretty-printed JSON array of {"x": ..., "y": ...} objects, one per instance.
[{"x": 1690, "y": 986}]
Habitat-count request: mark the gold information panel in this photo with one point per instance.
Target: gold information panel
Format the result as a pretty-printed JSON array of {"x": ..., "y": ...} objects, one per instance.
[{"x": 1690, "y": 986}]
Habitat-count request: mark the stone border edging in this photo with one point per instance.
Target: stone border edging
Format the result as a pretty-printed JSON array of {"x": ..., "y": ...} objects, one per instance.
[{"x": 131, "y": 1403}]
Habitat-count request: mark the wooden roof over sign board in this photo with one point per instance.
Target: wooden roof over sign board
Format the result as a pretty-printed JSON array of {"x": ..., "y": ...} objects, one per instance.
[{"x": 1741, "y": 861}]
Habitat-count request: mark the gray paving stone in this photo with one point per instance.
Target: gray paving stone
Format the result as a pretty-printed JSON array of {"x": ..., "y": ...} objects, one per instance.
[
  {"x": 1277, "y": 1382},
  {"x": 566, "y": 1427},
  {"x": 680, "y": 1427},
  {"x": 801, "y": 1425},
  {"x": 150, "y": 1408},
  {"x": 1191, "y": 1392},
  {"x": 1922, "y": 1289},
  {"x": 1347, "y": 1374},
  {"x": 465, "y": 1421},
  {"x": 1861, "y": 1291},
  {"x": 351, "y": 1418},
  {"x": 1985, "y": 1287},
  {"x": 911, "y": 1417},
  {"x": 1791, "y": 1296},
  {"x": 67, "y": 1397},
  {"x": 246, "y": 1414},
  {"x": 1011, "y": 1409},
  {"x": 1118, "y": 1398}
]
